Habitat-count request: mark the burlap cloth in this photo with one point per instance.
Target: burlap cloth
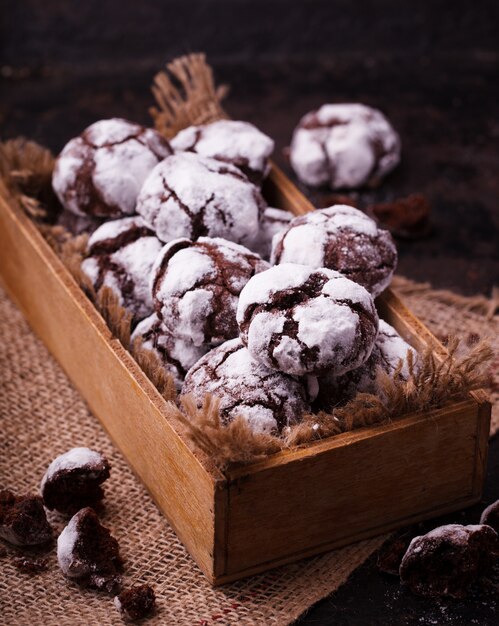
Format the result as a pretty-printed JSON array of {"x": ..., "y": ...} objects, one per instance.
[{"x": 42, "y": 416}]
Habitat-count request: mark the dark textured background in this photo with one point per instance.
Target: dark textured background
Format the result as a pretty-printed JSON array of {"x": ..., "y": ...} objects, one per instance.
[{"x": 432, "y": 67}]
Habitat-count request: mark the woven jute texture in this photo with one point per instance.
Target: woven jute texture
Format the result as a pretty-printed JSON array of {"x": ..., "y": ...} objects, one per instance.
[{"x": 42, "y": 415}]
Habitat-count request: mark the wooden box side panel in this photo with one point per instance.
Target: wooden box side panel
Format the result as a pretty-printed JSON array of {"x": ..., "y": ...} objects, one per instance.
[
  {"x": 117, "y": 391},
  {"x": 362, "y": 484}
]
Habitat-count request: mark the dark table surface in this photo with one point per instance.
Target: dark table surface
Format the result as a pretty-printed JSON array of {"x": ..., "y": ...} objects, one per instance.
[{"x": 434, "y": 71}]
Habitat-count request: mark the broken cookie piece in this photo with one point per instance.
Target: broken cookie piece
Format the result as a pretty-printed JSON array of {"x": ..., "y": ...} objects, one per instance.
[
  {"x": 88, "y": 553},
  {"x": 490, "y": 516},
  {"x": 448, "y": 559},
  {"x": 22, "y": 520},
  {"x": 136, "y": 603},
  {"x": 73, "y": 480}
]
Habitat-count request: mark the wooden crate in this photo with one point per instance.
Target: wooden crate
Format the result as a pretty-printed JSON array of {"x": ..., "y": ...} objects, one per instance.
[{"x": 295, "y": 503}]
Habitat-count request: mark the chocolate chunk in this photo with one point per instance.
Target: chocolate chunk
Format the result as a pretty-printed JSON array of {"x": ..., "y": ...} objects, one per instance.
[
  {"x": 136, "y": 603},
  {"x": 448, "y": 560},
  {"x": 88, "y": 553},
  {"x": 22, "y": 520},
  {"x": 73, "y": 480},
  {"x": 31, "y": 566},
  {"x": 405, "y": 217}
]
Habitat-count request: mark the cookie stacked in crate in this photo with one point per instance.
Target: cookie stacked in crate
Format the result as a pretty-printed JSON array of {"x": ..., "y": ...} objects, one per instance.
[{"x": 272, "y": 314}]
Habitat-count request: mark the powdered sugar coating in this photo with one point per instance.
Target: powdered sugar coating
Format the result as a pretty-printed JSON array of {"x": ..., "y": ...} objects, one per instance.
[
  {"x": 196, "y": 286},
  {"x": 299, "y": 320},
  {"x": 344, "y": 146},
  {"x": 100, "y": 173},
  {"x": 340, "y": 238},
  {"x": 230, "y": 141},
  {"x": 390, "y": 352},
  {"x": 121, "y": 256},
  {"x": 266, "y": 399},
  {"x": 72, "y": 459},
  {"x": 273, "y": 221},
  {"x": 176, "y": 354},
  {"x": 448, "y": 559},
  {"x": 188, "y": 195}
]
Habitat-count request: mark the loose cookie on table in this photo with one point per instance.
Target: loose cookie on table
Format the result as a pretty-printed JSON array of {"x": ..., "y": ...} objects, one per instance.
[
  {"x": 230, "y": 141},
  {"x": 100, "y": 173},
  {"x": 23, "y": 521},
  {"x": 490, "y": 516},
  {"x": 121, "y": 256},
  {"x": 88, "y": 553},
  {"x": 340, "y": 238},
  {"x": 266, "y": 399},
  {"x": 73, "y": 480},
  {"x": 448, "y": 559},
  {"x": 177, "y": 355},
  {"x": 389, "y": 354},
  {"x": 300, "y": 320},
  {"x": 136, "y": 603},
  {"x": 344, "y": 146},
  {"x": 188, "y": 195},
  {"x": 196, "y": 286}
]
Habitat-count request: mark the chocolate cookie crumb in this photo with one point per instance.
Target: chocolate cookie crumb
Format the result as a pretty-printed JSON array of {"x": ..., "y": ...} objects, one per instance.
[
  {"x": 88, "y": 553},
  {"x": 30, "y": 565},
  {"x": 447, "y": 560},
  {"x": 73, "y": 480},
  {"x": 405, "y": 217},
  {"x": 136, "y": 603},
  {"x": 22, "y": 520}
]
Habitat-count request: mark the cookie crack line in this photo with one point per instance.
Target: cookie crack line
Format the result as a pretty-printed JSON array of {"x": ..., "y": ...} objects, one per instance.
[
  {"x": 111, "y": 144},
  {"x": 113, "y": 244}
]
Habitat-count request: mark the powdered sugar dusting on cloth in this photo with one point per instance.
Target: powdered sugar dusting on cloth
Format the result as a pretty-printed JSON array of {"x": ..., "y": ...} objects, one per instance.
[
  {"x": 340, "y": 238},
  {"x": 390, "y": 351},
  {"x": 301, "y": 321},
  {"x": 122, "y": 255},
  {"x": 188, "y": 195},
  {"x": 239, "y": 143},
  {"x": 273, "y": 221},
  {"x": 76, "y": 457},
  {"x": 344, "y": 145},
  {"x": 196, "y": 286},
  {"x": 266, "y": 399},
  {"x": 176, "y": 354},
  {"x": 101, "y": 172}
]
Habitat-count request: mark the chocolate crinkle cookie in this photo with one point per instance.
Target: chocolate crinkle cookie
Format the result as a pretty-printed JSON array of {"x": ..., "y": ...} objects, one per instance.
[
  {"x": 136, "y": 603},
  {"x": 266, "y": 399},
  {"x": 88, "y": 553},
  {"x": 390, "y": 354},
  {"x": 121, "y": 255},
  {"x": 273, "y": 221},
  {"x": 448, "y": 559},
  {"x": 100, "y": 173},
  {"x": 300, "y": 320},
  {"x": 23, "y": 521},
  {"x": 188, "y": 195},
  {"x": 176, "y": 355},
  {"x": 230, "y": 141},
  {"x": 196, "y": 286},
  {"x": 344, "y": 146},
  {"x": 340, "y": 238},
  {"x": 74, "y": 480}
]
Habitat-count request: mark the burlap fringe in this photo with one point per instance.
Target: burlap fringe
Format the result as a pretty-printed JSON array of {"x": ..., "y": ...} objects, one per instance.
[
  {"x": 487, "y": 307},
  {"x": 26, "y": 168},
  {"x": 186, "y": 95}
]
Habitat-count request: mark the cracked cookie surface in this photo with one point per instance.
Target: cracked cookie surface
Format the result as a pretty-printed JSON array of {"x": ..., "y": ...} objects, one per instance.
[
  {"x": 344, "y": 146},
  {"x": 196, "y": 286},
  {"x": 300, "y": 320},
  {"x": 230, "y": 141},
  {"x": 100, "y": 172},
  {"x": 121, "y": 256},
  {"x": 340, "y": 238},
  {"x": 188, "y": 195},
  {"x": 266, "y": 399}
]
